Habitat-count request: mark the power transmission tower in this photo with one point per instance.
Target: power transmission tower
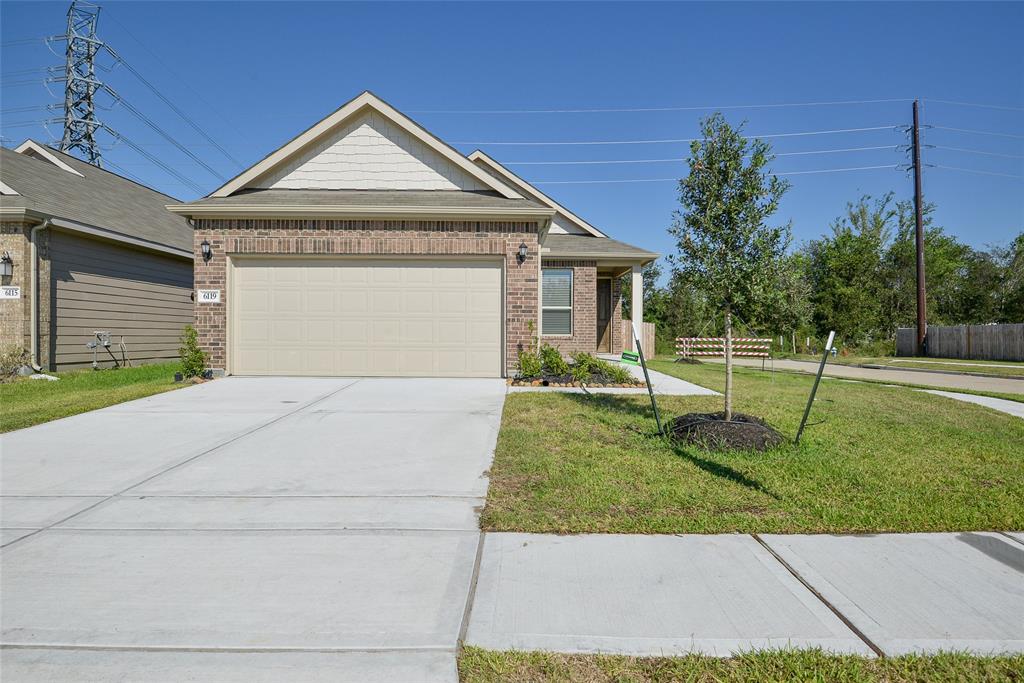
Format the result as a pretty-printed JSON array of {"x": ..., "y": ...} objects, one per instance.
[
  {"x": 80, "y": 87},
  {"x": 922, "y": 320}
]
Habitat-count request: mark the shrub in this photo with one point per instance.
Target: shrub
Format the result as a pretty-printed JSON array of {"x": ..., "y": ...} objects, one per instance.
[
  {"x": 12, "y": 357},
  {"x": 529, "y": 364},
  {"x": 587, "y": 368},
  {"x": 553, "y": 362},
  {"x": 193, "y": 359},
  {"x": 583, "y": 366}
]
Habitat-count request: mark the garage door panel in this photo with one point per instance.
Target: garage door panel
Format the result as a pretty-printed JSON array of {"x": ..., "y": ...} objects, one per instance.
[
  {"x": 355, "y": 332},
  {"x": 353, "y": 301},
  {"x": 387, "y": 301},
  {"x": 417, "y": 332},
  {"x": 483, "y": 334},
  {"x": 366, "y": 317}
]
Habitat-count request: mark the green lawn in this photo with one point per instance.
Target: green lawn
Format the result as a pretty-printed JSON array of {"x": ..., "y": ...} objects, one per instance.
[
  {"x": 1002, "y": 368},
  {"x": 483, "y": 666},
  {"x": 879, "y": 459},
  {"x": 26, "y": 402}
]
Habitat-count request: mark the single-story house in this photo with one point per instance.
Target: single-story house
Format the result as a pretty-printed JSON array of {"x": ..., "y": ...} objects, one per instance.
[
  {"x": 366, "y": 246},
  {"x": 84, "y": 251}
]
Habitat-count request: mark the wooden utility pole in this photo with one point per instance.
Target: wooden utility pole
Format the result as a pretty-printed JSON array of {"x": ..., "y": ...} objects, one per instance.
[{"x": 922, "y": 320}]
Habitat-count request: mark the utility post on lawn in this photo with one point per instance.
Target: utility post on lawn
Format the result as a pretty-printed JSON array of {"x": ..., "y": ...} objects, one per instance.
[{"x": 922, "y": 322}]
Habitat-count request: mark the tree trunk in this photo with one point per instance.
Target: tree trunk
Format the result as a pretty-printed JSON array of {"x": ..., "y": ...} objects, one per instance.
[{"x": 728, "y": 364}]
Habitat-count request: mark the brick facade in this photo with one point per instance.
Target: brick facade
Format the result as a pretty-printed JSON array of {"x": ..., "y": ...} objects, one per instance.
[
  {"x": 269, "y": 237},
  {"x": 584, "y": 308},
  {"x": 16, "y": 314}
]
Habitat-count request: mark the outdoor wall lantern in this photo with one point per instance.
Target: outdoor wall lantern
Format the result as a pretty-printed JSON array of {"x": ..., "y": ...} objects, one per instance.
[
  {"x": 521, "y": 256},
  {"x": 207, "y": 254},
  {"x": 6, "y": 265}
]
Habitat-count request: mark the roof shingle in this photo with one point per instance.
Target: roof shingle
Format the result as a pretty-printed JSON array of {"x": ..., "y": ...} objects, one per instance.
[{"x": 97, "y": 198}]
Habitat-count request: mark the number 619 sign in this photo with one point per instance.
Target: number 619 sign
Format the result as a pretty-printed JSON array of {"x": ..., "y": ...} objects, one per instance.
[{"x": 209, "y": 296}]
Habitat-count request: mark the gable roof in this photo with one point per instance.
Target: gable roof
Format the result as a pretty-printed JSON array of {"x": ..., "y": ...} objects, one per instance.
[
  {"x": 530, "y": 191},
  {"x": 59, "y": 186},
  {"x": 367, "y": 101}
]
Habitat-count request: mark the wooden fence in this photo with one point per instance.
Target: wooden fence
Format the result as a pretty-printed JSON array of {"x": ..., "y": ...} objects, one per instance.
[
  {"x": 646, "y": 337},
  {"x": 976, "y": 342}
]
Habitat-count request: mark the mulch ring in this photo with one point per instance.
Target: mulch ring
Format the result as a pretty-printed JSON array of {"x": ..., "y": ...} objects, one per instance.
[
  {"x": 710, "y": 430},
  {"x": 568, "y": 381}
]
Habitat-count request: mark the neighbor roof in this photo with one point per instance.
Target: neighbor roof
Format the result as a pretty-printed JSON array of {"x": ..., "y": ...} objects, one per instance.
[
  {"x": 363, "y": 203},
  {"x": 89, "y": 196},
  {"x": 586, "y": 246}
]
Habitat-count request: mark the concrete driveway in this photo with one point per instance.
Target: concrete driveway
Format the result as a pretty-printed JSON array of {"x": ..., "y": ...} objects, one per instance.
[{"x": 248, "y": 529}]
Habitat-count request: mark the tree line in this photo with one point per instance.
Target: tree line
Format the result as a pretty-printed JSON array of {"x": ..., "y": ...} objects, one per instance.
[
  {"x": 858, "y": 279},
  {"x": 734, "y": 274}
]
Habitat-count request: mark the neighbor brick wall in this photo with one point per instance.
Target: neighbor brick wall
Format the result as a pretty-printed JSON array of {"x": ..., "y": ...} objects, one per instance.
[
  {"x": 584, "y": 308},
  {"x": 236, "y": 237},
  {"x": 16, "y": 314}
]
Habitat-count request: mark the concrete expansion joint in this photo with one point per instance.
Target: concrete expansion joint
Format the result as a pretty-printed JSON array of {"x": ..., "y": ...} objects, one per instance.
[
  {"x": 835, "y": 610},
  {"x": 176, "y": 465},
  {"x": 471, "y": 593},
  {"x": 216, "y": 649},
  {"x": 1011, "y": 537}
]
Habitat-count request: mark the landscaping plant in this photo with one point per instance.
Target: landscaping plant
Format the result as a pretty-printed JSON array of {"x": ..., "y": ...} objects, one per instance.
[
  {"x": 529, "y": 364},
  {"x": 553, "y": 362},
  {"x": 193, "y": 359},
  {"x": 12, "y": 358}
]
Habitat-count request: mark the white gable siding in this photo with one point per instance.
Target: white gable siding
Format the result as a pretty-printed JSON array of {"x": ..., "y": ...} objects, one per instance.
[
  {"x": 369, "y": 153},
  {"x": 560, "y": 225}
]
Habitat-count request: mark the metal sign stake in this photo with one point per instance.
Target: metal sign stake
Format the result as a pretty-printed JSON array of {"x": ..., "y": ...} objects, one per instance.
[
  {"x": 814, "y": 389},
  {"x": 647, "y": 378}
]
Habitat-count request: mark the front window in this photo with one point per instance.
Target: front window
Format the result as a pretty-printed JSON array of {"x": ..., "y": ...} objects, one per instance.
[{"x": 556, "y": 314}]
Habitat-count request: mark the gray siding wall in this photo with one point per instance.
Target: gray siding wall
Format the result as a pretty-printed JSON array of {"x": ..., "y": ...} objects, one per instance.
[{"x": 97, "y": 285}]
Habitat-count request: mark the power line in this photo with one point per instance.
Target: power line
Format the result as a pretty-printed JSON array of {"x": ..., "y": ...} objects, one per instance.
[
  {"x": 662, "y": 180},
  {"x": 981, "y": 132},
  {"x": 978, "y": 151},
  {"x": 677, "y": 140},
  {"x": 975, "y": 104},
  {"x": 164, "y": 134},
  {"x": 18, "y": 110},
  {"x": 651, "y": 109},
  {"x": 24, "y": 41},
  {"x": 186, "y": 181},
  {"x": 184, "y": 81},
  {"x": 974, "y": 170},
  {"x": 679, "y": 159},
  {"x": 184, "y": 117}
]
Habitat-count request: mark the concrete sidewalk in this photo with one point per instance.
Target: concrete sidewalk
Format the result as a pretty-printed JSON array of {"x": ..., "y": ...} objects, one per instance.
[
  {"x": 942, "y": 380},
  {"x": 723, "y": 594},
  {"x": 662, "y": 384}
]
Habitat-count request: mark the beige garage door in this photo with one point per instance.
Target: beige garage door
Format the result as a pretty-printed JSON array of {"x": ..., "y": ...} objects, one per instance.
[{"x": 365, "y": 318}]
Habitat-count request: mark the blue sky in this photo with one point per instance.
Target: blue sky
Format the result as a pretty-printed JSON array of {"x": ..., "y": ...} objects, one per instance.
[{"x": 255, "y": 74}]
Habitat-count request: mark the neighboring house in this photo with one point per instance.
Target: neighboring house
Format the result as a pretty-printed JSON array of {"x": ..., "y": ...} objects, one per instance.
[
  {"x": 89, "y": 251},
  {"x": 366, "y": 246}
]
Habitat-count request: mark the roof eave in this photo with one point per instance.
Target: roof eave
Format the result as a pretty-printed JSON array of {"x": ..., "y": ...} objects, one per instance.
[
  {"x": 642, "y": 257},
  {"x": 314, "y": 211}
]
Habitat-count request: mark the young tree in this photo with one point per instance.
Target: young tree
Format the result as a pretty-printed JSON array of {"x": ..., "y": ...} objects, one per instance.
[{"x": 723, "y": 243}]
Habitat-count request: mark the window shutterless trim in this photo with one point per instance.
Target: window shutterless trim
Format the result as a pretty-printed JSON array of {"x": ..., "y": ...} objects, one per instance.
[{"x": 570, "y": 307}]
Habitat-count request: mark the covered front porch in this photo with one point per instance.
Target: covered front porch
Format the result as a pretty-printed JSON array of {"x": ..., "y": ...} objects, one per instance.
[{"x": 581, "y": 293}]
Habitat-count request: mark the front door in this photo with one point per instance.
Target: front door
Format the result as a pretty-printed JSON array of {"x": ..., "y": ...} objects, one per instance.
[{"x": 604, "y": 315}]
